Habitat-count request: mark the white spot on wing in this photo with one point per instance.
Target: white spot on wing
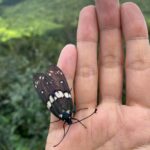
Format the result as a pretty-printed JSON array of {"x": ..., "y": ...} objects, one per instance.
[
  {"x": 49, "y": 74},
  {"x": 60, "y": 115},
  {"x": 59, "y": 72},
  {"x": 57, "y": 94},
  {"x": 61, "y": 94},
  {"x": 66, "y": 95},
  {"x": 61, "y": 82},
  {"x": 68, "y": 111},
  {"x": 42, "y": 92},
  {"x": 51, "y": 99},
  {"x": 48, "y": 105}
]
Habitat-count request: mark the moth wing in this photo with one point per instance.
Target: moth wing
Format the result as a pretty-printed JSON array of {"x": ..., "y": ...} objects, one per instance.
[
  {"x": 61, "y": 106},
  {"x": 47, "y": 84},
  {"x": 43, "y": 85},
  {"x": 60, "y": 82},
  {"x": 59, "y": 79}
]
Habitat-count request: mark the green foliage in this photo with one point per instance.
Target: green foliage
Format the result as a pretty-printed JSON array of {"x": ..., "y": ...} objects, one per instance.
[
  {"x": 32, "y": 33},
  {"x": 22, "y": 113},
  {"x": 36, "y": 17}
]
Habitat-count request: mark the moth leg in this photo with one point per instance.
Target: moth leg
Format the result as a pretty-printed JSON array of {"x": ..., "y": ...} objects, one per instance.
[{"x": 90, "y": 114}]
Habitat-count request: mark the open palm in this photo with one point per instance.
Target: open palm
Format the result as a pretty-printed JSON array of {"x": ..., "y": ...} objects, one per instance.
[{"x": 114, "y": 126}]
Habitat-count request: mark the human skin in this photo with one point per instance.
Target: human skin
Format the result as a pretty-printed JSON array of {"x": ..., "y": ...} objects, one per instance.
[{"x": 114, "y": 126}]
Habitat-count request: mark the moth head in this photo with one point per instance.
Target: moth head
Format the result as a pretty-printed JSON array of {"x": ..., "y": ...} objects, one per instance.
[{"x": 66, "y": 116}]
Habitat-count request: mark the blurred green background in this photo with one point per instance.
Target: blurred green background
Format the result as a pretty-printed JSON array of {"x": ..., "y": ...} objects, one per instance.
[{"x": 32, "y": 33}]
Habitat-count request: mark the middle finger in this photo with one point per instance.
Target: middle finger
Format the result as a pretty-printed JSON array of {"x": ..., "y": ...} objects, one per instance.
[{"x": 111, "y": 53}]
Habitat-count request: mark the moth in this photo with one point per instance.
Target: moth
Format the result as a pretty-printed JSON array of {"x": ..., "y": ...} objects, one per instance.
[{"x": 54, "y": 91}]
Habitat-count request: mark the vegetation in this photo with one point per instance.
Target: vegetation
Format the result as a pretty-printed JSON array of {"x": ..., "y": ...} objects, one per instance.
[{"x": 32, "y": 33}]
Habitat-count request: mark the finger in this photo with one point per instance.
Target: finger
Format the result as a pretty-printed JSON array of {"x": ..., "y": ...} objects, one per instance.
[
  {"x": 111, "y": 53},
  {"x": 137, "y": 55},
  {"x": 67, "y": 63},
  {"x": 86, "y": 71}
]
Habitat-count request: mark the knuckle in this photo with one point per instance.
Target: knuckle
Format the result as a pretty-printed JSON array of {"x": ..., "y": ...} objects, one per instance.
[
  {"x": 139, "y": 64},
  {"x": 87, "y": 71},
  {"x": 111, "y": 61}
]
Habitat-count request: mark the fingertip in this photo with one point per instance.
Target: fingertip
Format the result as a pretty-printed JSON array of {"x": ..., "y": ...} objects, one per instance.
[
  {"x": 67, "y": 60},
  {"x": 128, "y": 5},
  {"x": 130, "y": 9},
  {"x": 87, "y": 11},
  {"x": 133, "y": 22},
  {"x": 87, "y": 24},
  {"x": 108, "y": 12}
]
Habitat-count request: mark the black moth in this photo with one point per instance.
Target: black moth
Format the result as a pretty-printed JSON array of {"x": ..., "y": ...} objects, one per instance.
[{"x": 53, "y": 89}]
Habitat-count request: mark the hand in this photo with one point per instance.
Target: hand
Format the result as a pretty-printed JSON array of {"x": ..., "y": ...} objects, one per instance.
[{"x": 114, "y": 126}]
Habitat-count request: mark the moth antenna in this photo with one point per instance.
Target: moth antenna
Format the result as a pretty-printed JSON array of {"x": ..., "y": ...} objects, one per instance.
[
  {"x": 74, "y": 110},
  {"x": 65, "y": 133},
  {"x": 79, "y": 122},
  {"x": 87, "y": 116},
  {"x": 81, "y": 109},
  {"x": 70, "y": 90}
]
